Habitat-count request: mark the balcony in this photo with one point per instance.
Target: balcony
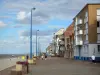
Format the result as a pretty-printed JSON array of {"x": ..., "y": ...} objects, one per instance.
[
  {"x": 80, "y": 32},
  {"x": 79, "y": 42},
  {"x": 62, "y": 48},
  {"x": 98, "y": 29},
  {"x": 86, "y": 31},
  {"x": 86, "y": 42},
  {"x": 62, "y": 42},
  {"x": 61, "y": 37},
  {"x": 79, "y": 22},
  {"x": 86, "y": 20}
]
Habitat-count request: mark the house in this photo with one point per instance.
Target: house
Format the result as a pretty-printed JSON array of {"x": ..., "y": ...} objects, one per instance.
[
  {"x": 59, "y": 42},
  {"x": 87, "y": 32},
  {"x": 69, "y": 41}
]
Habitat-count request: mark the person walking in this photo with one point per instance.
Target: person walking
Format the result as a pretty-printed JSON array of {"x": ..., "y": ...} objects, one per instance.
[
  {"x": 45, "y": 56},
  {"x": 27, "y": 57},
  {"x": 93, "y": 58},
  {"x": 42, "y": 57}
]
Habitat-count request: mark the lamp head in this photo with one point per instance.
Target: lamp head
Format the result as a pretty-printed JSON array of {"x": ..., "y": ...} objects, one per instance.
[{"x": 33, "y": 8}]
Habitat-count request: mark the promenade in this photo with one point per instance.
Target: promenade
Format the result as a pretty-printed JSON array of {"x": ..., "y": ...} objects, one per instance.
[{"x": 61, "y": 66}]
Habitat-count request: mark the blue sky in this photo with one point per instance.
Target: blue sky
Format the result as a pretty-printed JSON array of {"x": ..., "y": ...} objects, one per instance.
[{"x": 49, "y": 16}]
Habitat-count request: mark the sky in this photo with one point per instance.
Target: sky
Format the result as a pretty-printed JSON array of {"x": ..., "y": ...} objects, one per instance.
[{"x": 48, "y": 17}]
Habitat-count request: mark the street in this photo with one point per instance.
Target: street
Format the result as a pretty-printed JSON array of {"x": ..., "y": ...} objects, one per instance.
[{"x": 61, "y": 66}]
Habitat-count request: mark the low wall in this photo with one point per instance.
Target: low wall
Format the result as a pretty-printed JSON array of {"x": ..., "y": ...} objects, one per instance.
[{"x": 8, "y": 62}]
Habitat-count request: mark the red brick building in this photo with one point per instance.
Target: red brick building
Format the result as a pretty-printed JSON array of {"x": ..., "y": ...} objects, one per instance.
[{"x": 69, "y": 41}]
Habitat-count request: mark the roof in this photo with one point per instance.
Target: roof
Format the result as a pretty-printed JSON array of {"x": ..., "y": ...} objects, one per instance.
[
  {"x": 60, "y": 32},
  {"x": 86, "y": 6},
  {"x": 70, "y": 30}
]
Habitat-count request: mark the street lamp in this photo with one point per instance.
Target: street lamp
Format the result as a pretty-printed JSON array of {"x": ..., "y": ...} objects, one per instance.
[
  {"x": 54, "y": 44},
  {"x": 31, "y": 35},
  {"x": 36, "y": 42},
  {"x": 38, "y": 46}
]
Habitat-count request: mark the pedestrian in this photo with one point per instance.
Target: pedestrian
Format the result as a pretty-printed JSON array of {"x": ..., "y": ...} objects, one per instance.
[
  {"x": 27, "y": 57},
  {"x": 45, "y": 56},
  {"x": 42, "y": 57},
  {"x": 93, "y": 58}
]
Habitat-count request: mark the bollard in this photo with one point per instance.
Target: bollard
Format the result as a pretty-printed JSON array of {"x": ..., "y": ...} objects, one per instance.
[{"x": 18, "y": 67}]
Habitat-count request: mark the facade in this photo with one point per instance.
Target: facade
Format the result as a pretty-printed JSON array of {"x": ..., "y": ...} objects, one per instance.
[
  {"x": 50, "y": 49},
  {"x": 87, "y": 32},
  {"x": 69, "y": 41},
  {"x": 59, "y": 42}
]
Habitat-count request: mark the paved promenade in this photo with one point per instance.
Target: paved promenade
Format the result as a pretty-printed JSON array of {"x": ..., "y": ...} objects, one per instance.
[{"x": 61, "y": 66}]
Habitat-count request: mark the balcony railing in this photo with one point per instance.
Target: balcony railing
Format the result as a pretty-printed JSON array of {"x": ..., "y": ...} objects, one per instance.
[
  {"x": 79, "y": 22},
  {"x": 62, "y": 42},
  {"x": 79, "y": 32},
  {"x": 86, "y": 31},
  {"x": 79, "y": 42},
  {"x": 86, "y": 20},
  {"x": 61, "y": 37},
  {"x": 86, "y": 42},
  {"x": 62, "y": 48}
]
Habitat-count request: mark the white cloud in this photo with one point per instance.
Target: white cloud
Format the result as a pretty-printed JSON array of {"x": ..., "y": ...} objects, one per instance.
[
  {"x": 21, "y": 15},
  {"x": 45, "y": 10},
  {"x": 26, "y": 33},
  {"x": 2, "y": 24}
]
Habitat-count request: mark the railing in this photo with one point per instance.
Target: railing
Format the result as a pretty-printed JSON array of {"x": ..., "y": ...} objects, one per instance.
[
  {"x": 79, "y": 32},
  {"x": 86, "y": 42},
  {"x": 86, "y": 20},
  {"x": 79, "y": 42},
  {"x": 61, "y": 37},
  {"x": 62, "y": 42},
  {"x": 86, "y": 31},
  {"x": 79, "y": 22},
  {"x": 62, "y": 48}
]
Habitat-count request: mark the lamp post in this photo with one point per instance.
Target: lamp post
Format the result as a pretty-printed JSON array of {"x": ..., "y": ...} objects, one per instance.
[
  {"x": 36, "y": 42},
  {"x": 31, "y": 35},
  {"x": 38, "y": 46},
  {"x": 54, "y": 45}
]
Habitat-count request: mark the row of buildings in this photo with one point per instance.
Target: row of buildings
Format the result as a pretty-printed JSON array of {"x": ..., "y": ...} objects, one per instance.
[{"x": 81, "y": 39}]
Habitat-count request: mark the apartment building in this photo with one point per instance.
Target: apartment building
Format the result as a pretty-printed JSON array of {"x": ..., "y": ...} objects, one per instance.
[
  {"x": 59, "y": 42},
  {"x": 87, "y": 32},
  {"x": 50, "y": 49},
  {"x": 69, "y": 41}
]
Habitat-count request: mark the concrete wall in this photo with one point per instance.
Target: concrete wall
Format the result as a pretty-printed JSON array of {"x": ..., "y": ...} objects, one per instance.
[
  {"x": 93, "y": 49},
  {"x": 7, "y": 62},
  {"x": 86, "y": 51}
]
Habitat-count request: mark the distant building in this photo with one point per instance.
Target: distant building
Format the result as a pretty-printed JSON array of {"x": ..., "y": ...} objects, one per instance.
[
  {"x": 69, "y": 41},
  {"x": 87, "y": 32},
  {"x": 50, "y": 49},
  {"x": 59, "y": 42}
]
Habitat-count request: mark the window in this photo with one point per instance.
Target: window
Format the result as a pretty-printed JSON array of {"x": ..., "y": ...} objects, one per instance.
[
  {"x": 98, "y": 48},
  {"x": 98, "y": 23},
  {"x": 98, "y": 14},
  {"x": 98, "y": 37}
]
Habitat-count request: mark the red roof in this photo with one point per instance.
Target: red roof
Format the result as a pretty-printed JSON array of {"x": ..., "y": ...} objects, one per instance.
[{"x": 70, "y": 30}]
